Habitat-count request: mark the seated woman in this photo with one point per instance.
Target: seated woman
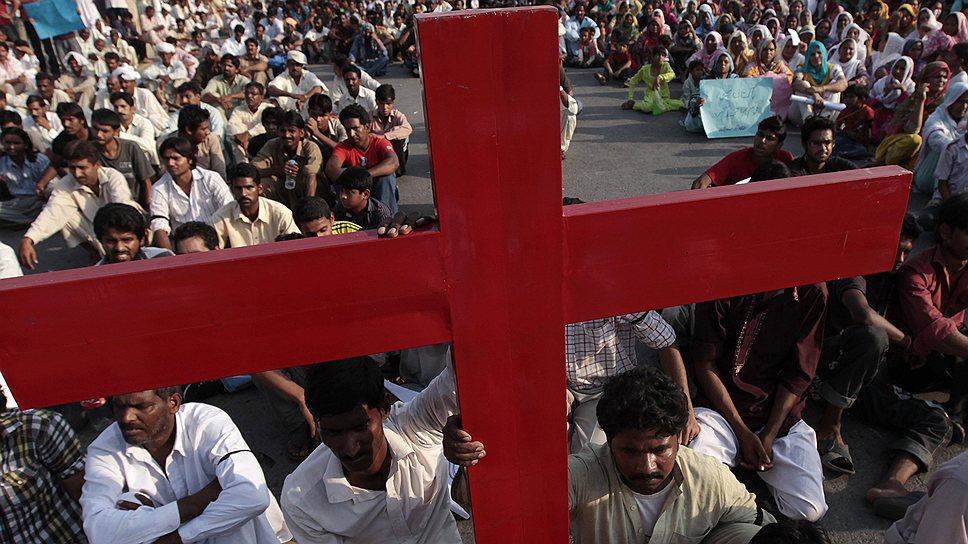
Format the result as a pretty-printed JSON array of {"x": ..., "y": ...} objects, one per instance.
[
  {"x": 887, "y": 93},
  {"x": 914, "y": 49},
  {"x": 819, "y": 80},
  {"x": 706, "y": 54},
  {"x": 684, "y": 44},
  {"x": 739, "y": 51},
  {"x": 656, "y": 77},
  {"x": 627, "y": 30},
  {"x": 953, "y": 30},
  {"x": 790, "y": 50},
  {"x": 768, "y": 64},
  {"x": 903, "y": 140},
  {"x": 824, "y": 32},
  {"x": 21, "y": 167},
  {"x": 845, "y": 56},
  {"x": 647, "y": 41},
  {"x": 862, "y": 41},
  {"x": 722, "y": 69},
  {"x": 941, "y": 128}
]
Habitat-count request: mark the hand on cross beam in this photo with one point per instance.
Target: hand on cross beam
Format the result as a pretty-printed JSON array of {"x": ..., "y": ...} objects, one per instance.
[
  {"x": 459, "y": 447},
  {"x": 402, "y": 224}
]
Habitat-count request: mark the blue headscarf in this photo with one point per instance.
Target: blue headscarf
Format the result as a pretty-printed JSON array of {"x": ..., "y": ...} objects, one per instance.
[{"x": 818, "y": 74}]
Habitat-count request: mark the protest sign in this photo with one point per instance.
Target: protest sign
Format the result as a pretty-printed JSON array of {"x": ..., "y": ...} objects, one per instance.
[
  {"x": 733, "y": 107},
  {"x": 54, "y": 17}
]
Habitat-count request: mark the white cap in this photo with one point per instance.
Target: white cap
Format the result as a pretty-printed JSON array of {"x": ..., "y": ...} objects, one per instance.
[
  {"x": 165, "y": 47},
  {"x": 77, "y": 56},
  {"x": 297, "y": 56},
  {"x": 126, "y": 73}
]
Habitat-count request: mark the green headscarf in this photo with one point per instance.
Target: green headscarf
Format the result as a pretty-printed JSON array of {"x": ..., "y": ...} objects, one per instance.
[{"x": 817, "y": 74}]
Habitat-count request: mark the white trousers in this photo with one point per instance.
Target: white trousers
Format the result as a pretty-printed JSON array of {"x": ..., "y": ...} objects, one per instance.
[
  {"x": 796, "y": 479},
  {"x": 583, "y": 428}
]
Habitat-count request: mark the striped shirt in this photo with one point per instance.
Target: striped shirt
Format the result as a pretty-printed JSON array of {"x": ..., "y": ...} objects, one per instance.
[
  {"x": 39, "y": 451},
  {"x": 344, "y": 227},
  {"x": 601, "y": 348}
]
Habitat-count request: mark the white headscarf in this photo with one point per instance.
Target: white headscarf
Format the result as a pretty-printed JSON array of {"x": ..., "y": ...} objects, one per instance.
[
  {"x": 860, "y": 51},
  {"x": 941, "y": 124},
  {"x": 850, "y": 66},
  {"x": 78, "y": 57},
  {"x": 892, "y": 51},
  {"x": 890, "y": 98},
  {"x": 836, "y": 31}
]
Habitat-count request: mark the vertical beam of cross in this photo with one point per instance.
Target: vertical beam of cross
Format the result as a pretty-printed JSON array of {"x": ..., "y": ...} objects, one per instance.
[{"x": 492, "y": 110}]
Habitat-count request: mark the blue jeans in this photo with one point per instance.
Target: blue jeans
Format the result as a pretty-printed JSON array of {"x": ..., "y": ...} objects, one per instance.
[
  {"x": 376, "y": 67},
  {"x": 385, "y": 190}
]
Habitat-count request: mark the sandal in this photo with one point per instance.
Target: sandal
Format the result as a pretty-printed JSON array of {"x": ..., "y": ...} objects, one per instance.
[
  {"x": 894, "y": 508},
  {"x": 836, "y": 457}
]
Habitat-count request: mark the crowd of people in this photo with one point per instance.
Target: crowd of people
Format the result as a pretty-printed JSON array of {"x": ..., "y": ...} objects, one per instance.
[{"x": 201, "y": 128}]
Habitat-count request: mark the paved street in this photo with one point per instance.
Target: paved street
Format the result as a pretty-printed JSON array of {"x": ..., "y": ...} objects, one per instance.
[{"x": 614, "y": 154}]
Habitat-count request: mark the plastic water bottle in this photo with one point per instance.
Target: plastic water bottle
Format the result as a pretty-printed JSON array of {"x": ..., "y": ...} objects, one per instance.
[{"x": 290, "y": 179}]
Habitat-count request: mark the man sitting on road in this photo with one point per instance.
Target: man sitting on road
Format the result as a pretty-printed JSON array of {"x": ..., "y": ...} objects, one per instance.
[{"x": 739, "y": 165}]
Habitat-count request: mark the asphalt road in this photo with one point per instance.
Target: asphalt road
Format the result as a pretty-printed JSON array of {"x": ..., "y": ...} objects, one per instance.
[{"x": 614, "y": 154}]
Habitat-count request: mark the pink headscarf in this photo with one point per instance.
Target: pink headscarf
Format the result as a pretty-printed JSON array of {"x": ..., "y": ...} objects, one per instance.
[
  {"x": 707, "y": 59},
  {"x": 939, "y": 41}
]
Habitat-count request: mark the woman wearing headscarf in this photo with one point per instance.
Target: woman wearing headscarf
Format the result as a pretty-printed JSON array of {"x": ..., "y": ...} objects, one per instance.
[
  {"x": 903, "y": 141},
  {"x": 887, "y": 93},
  {"x": 711, "y": 43},
  {"x": 725, "y": 24},
  {"x": 757, "y": 34},
  {"x": 906, "y": 21},
  {"x": 660, "y": 15},
  {"x": 890, "y": 50},
  {"x": 789, "y": 44},
  {"x": 927, "y": 23},
  {"x": 940, "y": 129},
  {"x": 647, "y": 41},
  {"x": 880, "y": 15},
  {"x": 768, "y": 64},
  {"x": 841, "y": 22},
  {"x": 845, "y": 56},
  {"x": 707, "y": 21},
  {"x": 78, "y": 81},
  {"x": 819, "y": 80},
  {"x": 954, "y": 30},
  {"x": 862, "y": 41},
  {"x": 722, "y": 69},
  {"x": 914, "y": 49},
  {"x": 627, "y": 30},
  {"x": 684, "y": 44},
  {"x": 740, "y": 51},
  {"x": 773, "y": 26},
  {"x": 824, "y": 32}
]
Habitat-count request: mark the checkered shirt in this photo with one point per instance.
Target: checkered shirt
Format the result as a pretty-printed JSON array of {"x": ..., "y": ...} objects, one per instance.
[
  {"x": 39, "y": 449},
  {"x": 598, "y": 349},
  {"x": 344, "y": 227}
]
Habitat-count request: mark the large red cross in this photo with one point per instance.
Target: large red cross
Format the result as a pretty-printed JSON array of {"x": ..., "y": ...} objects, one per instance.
[{"x": 500, "y": 278}]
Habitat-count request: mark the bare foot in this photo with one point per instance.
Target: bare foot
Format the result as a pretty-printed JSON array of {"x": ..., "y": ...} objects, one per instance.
[{"x": 887, "y": 488}]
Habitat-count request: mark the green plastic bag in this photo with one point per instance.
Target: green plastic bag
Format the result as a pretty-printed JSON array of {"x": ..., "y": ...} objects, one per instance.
[{"x": 658, "y": 106}]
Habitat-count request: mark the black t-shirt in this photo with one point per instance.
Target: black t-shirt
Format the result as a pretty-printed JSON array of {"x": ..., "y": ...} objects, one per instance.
[
  {"x": 133, "y": 164},
  {"x": 834, "y": 164}
]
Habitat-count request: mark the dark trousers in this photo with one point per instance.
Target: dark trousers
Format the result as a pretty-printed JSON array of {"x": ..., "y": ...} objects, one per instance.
[
  {"x": 400, "y": 148},
  {"x": 849, "y": 361}
]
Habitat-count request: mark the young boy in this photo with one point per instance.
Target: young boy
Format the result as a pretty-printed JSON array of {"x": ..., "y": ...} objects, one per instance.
[
  {"x": 618, "y": 65},
  {"x": 392, "y": 124},
  {"x": 655, "y": 77},
  {"x": 854, "y": 124},
  {"x": 125, "y": 156},
  {"x": 690, "y": 87},
  {"x": 588, "y": 54},
  {"x": 314, "y": 218},
  {"x": 355, "y": 203}
]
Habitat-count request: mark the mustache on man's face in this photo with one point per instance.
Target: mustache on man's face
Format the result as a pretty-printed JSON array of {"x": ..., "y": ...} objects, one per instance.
[{"x": 640, "y": 477}]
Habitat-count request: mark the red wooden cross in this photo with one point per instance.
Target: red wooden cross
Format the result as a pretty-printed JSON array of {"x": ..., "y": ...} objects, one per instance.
[{"x": 500, "y": 278}]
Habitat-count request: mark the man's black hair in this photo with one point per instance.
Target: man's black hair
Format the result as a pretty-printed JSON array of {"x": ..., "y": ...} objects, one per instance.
[
  {"x": 192, "y": 229},
  {"x": 355, "y": 177},
  {"x": 293, "y": 119},
  {"x": 813, "y": 124},
  {"x": 111, "y": 55},
  {"x": 353, "y": 68},
  {"x": 860, "y": 91},
  {"x": 643, "y": 399},
  {"x": 659, "y": 50},
  {"x": 771, "y": 170},
  {"x": 385, "y": 93},
  {"x": 341, "y": 61},
  {"x": 7, "y": 116},
  {"x": 245, "y": 170},
  {"x": 285, "y": 237},
  {"x": 190, "y": 117},
  {"x": 338, "y": 387},
  {"x": 231, "y": 58},
  {"x": 311, "y": 208},
  {"x": 953, "y": 212},
  {"x": 79, "y": 150},
  {"x": 773, "y": 124},
  {"x": 253, "y": 40},
  {"x": 43, "y": 76},
  {"x": 961, "y": 51},
  {"x": 166, "y": 392},
  {"x": 239, "y": 28},
  {"x": 791, "y": 531},
  {"x": 272, "y": 114},
  {"x": 192, "y": 86},
  {"x": 258, "y": 87},
  {"x": 321, "y": 102},
  {"x": 71, "y": 109},
  {"x": 694, "y": 64},
  {"x": 121, "y": 95},
  {"x": 354, "y": 111},
  {"x": 120, "y": 217},
  {"x": 36, "y": 98},
  {"x": 106, "y": 117},
  {"x": 909, "y": 227},
  {"x": 180, "y": 145}
]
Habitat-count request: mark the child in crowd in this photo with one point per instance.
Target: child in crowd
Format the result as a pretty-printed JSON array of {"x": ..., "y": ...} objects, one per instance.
[
  {"x": 722, "y": 69},
  {"x": 656, "y": 76},
  {"x": 355, "y": 202},
  {"x": 618, "y": 65},
  {"x": 588, "y": 54},
  {"x": 690, "y": 87},
  {"x": 854, "y": 124}
]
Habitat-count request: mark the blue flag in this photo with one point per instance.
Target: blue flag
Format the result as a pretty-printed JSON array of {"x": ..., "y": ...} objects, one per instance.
[{"x": 54, "y": 17}]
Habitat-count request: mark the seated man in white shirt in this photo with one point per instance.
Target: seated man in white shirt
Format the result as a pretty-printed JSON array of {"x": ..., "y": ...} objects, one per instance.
[
  {"x": 185, "y": 193},
  {"x": 293, "y": 87},
  {"x": 166, "y": 74},
  {"x": 41, "y": 124},
  {"x": 135, "y": 127},
  {"x": 339, "y": 86},
  {"x": 380, "y": 475},
  {"x": 211, "y": 490},
  {"x": 356, "y": 93}
]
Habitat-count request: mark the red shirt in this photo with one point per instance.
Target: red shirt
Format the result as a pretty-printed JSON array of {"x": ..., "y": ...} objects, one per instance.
[
  {"x": 380, "y": 148},
  {"x": 930, "y": 308},
  {"x": 740, "y": 165},
  {"x": 853, "y": 119}
]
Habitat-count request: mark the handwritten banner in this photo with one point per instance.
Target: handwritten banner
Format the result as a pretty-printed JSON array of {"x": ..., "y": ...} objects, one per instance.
[
  {"x": 54, "y": 17},
  {"x": 733, "y": 107}
]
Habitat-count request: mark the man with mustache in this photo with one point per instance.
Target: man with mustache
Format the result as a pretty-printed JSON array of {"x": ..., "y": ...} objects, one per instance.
[
  {"x": 251, "y": 219},
  {"x": 641, "y": 486},
  {"x": 380, "y": 476},
  {"x": 123, "y": 233},
  {"x": 168, "y": 472}
]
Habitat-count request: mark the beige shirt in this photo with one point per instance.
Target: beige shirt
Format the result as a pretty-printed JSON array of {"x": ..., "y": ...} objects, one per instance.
[
  {"x": 243, "y": 120},
  {"x": 307, "y": 156},
  {"x": 209, "y": 155},
  {"x": 940, "y": 516},
  {"x": 72, "y": 206},
  {"x": 236, "y": 230},
  {"x": 707, "y": 504}
]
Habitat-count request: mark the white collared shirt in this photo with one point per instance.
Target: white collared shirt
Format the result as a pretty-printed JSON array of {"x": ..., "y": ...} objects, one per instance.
[
  {"x": 171, "y": 207},
  {"x": 208, "y": 445},
  {"x": 284, "y": 82},
  {"x": 321, "y": 507},
  {"x": 40, "y": 136},
  {"x": 365, "y": 98}
]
